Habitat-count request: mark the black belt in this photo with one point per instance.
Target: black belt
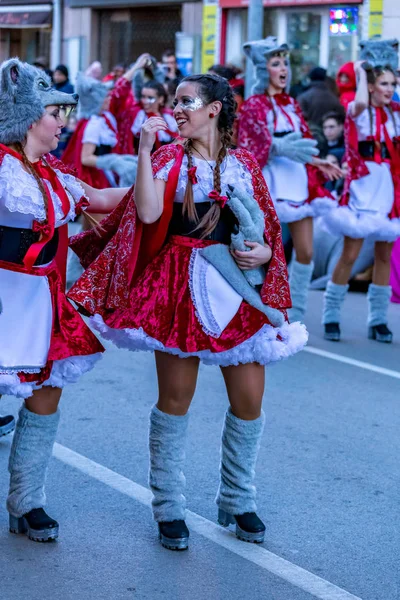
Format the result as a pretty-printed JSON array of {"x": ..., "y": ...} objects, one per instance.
[
  {"x": 102, "y": 149},
  {"x": 181, "y": 225},
  {"x": 279, "y": 134},
  {"x": 15, "y": 243},
  {"x": 367, "y": 149}
]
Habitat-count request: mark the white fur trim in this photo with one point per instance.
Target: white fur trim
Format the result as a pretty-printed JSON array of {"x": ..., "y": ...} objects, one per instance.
[
  {"x": 63, "y": 372},
  {"x": 288, "y": 213},
  {"x": 344, "y": 221},
  {"x": 263, "y": 347}
]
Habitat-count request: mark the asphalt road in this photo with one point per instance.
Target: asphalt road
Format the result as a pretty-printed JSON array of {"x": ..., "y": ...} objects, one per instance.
[{"x": 328, "y": 484}]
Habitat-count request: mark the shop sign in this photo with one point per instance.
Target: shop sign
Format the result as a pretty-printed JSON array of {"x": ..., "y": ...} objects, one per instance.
[
  {"x": 9, "y": 20},
  {"x": 209, "y": 36},
  {"x": 281, "y": 3},
  {"x": 375, "y": 18},
  {"x": 343, "y": 20}
]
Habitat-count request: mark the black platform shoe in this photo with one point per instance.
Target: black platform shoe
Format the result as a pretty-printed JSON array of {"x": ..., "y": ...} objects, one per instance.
[
  {"x": 36, "y": 524},
  {"x": 332, "y": 332},
  {"x": 174, "y": 535},
  {"x": 380, "y": 333},
  {"x": 249, "y": 526},
  {"x": 7, "y": 425}
]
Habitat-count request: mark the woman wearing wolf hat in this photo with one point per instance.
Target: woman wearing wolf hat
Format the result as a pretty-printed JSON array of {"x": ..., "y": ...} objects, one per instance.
[
  {"x": 167, "y": 282},
  {"x": 370, "y": 204},
  {"x": 44, "y": 343},
  {"x": 272, "y": 127}
]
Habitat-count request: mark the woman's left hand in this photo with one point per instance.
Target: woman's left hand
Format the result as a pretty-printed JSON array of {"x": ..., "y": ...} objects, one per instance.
[
  {"x": 330, "y": 170},
  {"x": 251, "y": 259}
]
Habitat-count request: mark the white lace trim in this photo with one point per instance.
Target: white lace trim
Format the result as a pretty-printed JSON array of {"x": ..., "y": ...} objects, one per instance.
[
  {"x": 287, "y": 213},
  {"x": 21, "y": 193},
  {"x": 216, "y": 332},
  {"x": 232, "y": 172},
  {"x": 359, "y": 225},
  {"x": 63, "y": 372},
  {"x": 263, "y": 347}
]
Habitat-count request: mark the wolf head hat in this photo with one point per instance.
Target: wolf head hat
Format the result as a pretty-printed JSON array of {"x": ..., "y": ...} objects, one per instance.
[
  {"x": 92, "y": 94},
  {"x": 380, "y": 53},
  {"x": 25, "y": 91},
  {"x": 259, "y": 52}
]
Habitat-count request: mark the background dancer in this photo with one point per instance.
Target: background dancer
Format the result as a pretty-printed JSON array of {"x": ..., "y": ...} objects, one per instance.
[
  {"x": 38, "y": 196},
  {"x": 177, "y": 303},
  {"x": 370, "y": 205},
  {"x": 272, "y": 127}
]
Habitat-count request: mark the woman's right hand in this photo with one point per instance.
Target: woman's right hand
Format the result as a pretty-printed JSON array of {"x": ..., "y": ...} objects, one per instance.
[
  {"x": 143, "y": 61},
  {"x": 148, "y": 133}
]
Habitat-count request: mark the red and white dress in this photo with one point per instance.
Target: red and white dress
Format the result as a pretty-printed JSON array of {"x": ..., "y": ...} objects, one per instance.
[
  {"x": 149, "y": 289},
  {"x": 297, "y": 190},
  {"x": 100, "y": 130},
  {"x": 162, "y": 137},
  {"x": 43, "y": 340},
  {"x": 370, "y": 204}
]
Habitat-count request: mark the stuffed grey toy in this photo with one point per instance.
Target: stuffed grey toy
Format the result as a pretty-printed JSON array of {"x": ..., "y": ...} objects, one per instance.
[
  {"x": 25, "y": 91},
  {"x": 259, "y": 52},
  {"x": 251, "y": 228},
  {"x": 380, "y": 53},
  {"x": 123, "y": 165},
  {"x": 92, "y": 94}
]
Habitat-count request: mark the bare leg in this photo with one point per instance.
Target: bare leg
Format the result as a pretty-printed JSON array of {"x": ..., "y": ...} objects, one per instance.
[
  {"x": 351, "y": 250},
  {"x": 302, "y": 236},
  {"x": 177, "y": 378}
]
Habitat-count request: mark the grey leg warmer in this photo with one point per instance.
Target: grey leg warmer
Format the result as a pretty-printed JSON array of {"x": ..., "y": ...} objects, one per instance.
[
  {"x": 333, "y": 300},
  {"x": 30, "y": 454},
  {"x": 167, "y": 442},
  {"x": 378, "y": 304},
  {"x": 240, "y": 445},
  {"x": 299, "y": 280}
]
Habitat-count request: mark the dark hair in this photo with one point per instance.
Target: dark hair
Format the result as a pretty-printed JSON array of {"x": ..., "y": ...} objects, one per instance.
[
  {"x": 211, "y": 88},
  {"x": 158, "y": 87},
  {"x": 223, "y": 71},
  {"x": 317, "y": 74},
  {"x": 63, "y": 69},
  {"x": 374, "y": 72},
  {"x": 168, "y": 53},
  {"x": 339, "y": 117}
]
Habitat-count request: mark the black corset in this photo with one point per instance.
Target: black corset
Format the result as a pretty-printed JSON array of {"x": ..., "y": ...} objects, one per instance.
[
  {"x": 15, "y": 243},
  {"x": 180, "y": 224},
  {"x": 102, "y": 149}
]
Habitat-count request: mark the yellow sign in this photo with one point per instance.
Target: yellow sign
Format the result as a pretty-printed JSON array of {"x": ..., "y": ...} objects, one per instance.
[
  {"x": 209, "y": 36},
  {"x": 375, "y": 18}
]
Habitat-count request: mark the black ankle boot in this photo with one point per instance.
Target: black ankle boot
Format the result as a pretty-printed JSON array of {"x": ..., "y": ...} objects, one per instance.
[
  {"x": 249, "y": 526},
  {"x": 380, "y": 333},
  {"x": 174, "y": 535},
  {"x": 36, "y": 524},
  {"x": 332, "y": 332},
  {"x": 7, "y": 425}
]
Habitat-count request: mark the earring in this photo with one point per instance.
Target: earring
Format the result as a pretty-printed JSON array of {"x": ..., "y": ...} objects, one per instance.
[{"x": 211, "y": 115}]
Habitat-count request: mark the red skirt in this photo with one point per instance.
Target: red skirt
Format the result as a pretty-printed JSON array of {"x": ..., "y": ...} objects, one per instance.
[
  {"x": 162, "y": 316},
  {"x": 73, "y": 348}
]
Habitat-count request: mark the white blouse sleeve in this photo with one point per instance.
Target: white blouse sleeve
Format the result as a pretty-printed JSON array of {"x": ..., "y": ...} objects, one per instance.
[
  {"x": 164, "y": 171},
  {"x": 91, "y": 135}
]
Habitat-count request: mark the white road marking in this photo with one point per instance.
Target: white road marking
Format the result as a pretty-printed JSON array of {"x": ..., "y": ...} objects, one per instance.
[
  {"x": 296, "y": 576},
  {"x": 353, "y": 362}
]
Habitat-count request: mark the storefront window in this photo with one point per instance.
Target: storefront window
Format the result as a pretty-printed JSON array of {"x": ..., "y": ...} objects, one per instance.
[
  {"x": 237, "y": 32},
  {"x": 303, "y": 37},
  {"x": 343, "y": 36}
]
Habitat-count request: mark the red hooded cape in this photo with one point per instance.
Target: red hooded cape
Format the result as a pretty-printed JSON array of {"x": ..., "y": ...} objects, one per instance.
[
  {"x": 72, "y": 158},
  {"x": 347, "y": 91},
  {"x": 126, "y": 246},
  {"x": 255, "y": 136},
  {"x": 357, "y": 167}
]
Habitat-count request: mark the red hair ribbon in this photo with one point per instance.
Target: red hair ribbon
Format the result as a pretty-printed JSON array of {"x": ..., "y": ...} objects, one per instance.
[
  {"x": 192, "y": 175},
  {"x": 83, "y": 203},
  {"x": 43, "y": 228},
  {"x": 222, "y": 200}
]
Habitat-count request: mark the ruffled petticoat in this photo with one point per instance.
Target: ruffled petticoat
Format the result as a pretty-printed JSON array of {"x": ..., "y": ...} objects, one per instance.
[
  {"x": 370, "y": 202},
  {"x": 287, "y": 182},
  {"x": 162, "y": 316},
  {"x": 44, "y": 341}
]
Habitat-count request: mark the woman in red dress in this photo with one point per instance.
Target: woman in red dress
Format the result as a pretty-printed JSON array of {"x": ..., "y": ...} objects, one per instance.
[{"x": 163, "y": 279}]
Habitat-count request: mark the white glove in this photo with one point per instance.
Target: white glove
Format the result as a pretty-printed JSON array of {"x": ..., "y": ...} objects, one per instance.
[{"x": 295, "y": 147}]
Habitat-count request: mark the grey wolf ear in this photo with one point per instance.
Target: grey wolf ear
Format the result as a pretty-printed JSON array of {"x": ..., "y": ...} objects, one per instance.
[
  {"x": 10, "y": 77},
  {"x": 247, "y": 49}
]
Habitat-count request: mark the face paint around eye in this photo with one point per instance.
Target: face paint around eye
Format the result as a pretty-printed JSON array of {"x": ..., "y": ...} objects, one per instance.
[
  {"x": 191, "y": 104},
  {"x": 149, "y": 99}
]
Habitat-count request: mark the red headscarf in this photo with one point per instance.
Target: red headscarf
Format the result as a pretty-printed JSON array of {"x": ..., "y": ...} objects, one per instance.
[{"x": 347, "y": 91}]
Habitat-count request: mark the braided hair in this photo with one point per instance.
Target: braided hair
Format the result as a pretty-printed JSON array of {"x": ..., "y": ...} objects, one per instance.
[{"x": 211, "y": 88}]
